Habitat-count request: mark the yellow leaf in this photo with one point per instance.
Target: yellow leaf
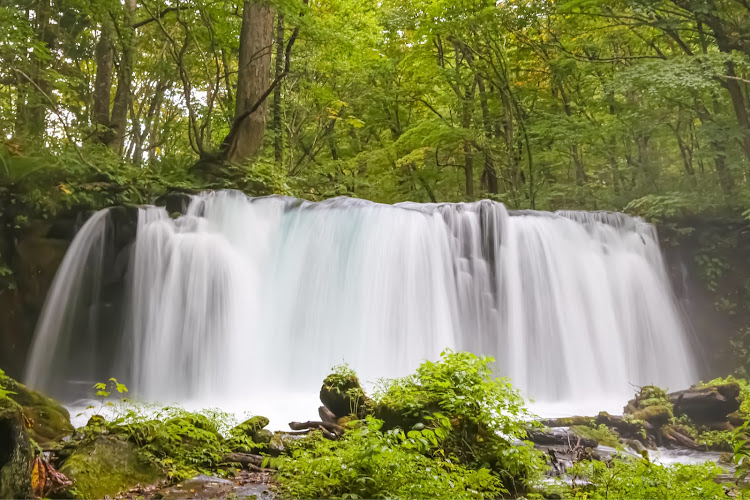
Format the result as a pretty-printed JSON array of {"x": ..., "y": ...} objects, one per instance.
[
  {"x": 65, "y": 189},
  {"x": 38, "y": 478}
]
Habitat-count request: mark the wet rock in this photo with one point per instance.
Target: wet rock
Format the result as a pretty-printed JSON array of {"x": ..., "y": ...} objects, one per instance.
[
  {"x": 247, "y": 485},
  {"x": 16, "y": 455},
  {"x": 106, "y": 466},
  {"x": 707, "y": 403},
  {"x": 48, "y": 420},
  {"x": 174, "y": 202}
]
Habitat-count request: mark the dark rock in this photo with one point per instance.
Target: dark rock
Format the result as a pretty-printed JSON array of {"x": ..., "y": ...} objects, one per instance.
[
  {"x": 16, "y": 455},
  {"x": 707, "y": 403},
  {"x": 174, "y": 202}
]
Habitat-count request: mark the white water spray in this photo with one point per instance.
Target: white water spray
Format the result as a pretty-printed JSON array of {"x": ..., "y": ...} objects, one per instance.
[{"x": 247, "y": 300}]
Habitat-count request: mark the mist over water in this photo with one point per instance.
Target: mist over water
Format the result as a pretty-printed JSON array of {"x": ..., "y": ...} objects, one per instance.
[{"x": 253, "y": 300}]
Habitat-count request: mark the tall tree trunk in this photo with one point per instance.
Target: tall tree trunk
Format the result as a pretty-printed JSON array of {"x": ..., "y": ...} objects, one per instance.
[
  {"x": 468, "y": 155},
  {"x": 103, "y": 83},
  {"x": 123, "y": 95},
  {"x": 256, "y": 37},
  {"x": 489, "y": 175},
  {"x": 34, "y": 89},
  {"x": 278, "y": 134}
]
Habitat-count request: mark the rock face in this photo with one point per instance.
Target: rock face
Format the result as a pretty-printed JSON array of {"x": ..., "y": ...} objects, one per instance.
[
  {"x": 15, "y": 452},
  {"x": 106, "y": 466},
  {"x": 707, "y": 404}
]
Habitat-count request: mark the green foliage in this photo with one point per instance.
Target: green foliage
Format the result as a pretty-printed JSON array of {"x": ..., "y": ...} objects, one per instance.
[
  {"x": 180, "y": 442},
  {"x": 642, "y": 479},
  {"x": 482, "y": 415},
  {"x": 369, "y": 463}
]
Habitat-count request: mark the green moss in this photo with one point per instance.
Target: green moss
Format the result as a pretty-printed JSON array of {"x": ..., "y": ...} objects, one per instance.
[
  {"x": 602, "y": 434},
  {"x": 250, "y": 426},
  {"x": 656, "y": 414},
  {"x": 106, "y": 466},
  {"x": 49, "y": 420},
  {"x": 342, "y": 393}
]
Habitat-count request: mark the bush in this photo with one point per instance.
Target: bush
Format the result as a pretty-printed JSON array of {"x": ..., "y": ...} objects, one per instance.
[
  {"x": 182, "y": 443},
  {"x": 642, "y": 479},
  {"x": 369, "y": 463},
  {"x": 484, "y": 416}
]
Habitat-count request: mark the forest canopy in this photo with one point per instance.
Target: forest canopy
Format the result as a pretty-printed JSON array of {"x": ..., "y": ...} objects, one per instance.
[{"x": 629, "y": 104}]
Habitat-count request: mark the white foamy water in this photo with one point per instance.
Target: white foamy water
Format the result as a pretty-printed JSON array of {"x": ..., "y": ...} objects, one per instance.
[{"x": 250, "y": 302}]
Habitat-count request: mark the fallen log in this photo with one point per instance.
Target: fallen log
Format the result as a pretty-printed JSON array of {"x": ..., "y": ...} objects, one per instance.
[
  {"x": 561, "y": 438},
  {"x": 249, "y": 461},
  {"x": 327, "y": 415},
  {"x": 707, "y": 404},
  {"x": 312, "y": 424}
]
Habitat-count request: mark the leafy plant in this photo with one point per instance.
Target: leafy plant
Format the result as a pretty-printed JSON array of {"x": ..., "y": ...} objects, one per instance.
[
  {"x": 369, "y": 463},
  {"x": 642, "y": 479}
]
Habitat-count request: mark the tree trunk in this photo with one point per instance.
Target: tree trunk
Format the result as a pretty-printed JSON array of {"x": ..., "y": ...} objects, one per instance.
[
  {"x": 278, "y": 141},
  {"x": 489, "y": 175},
  {"x": 256, "y": 37},
  {"x": 103, "y": 84},
  {"x": 123, "y": 95}
]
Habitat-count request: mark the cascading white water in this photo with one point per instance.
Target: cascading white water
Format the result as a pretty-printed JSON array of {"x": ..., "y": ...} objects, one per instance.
[{"x": 249, "y": 299}]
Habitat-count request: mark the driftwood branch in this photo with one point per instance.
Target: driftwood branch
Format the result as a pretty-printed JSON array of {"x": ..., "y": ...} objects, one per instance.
[{"x": 249, "y": 461}]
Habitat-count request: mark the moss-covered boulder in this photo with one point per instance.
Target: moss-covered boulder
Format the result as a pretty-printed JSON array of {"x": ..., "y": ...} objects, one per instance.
[
  {"x": 657, "y": 415},
  {"x": 342, "y": 393},
  {"x": 106, "y": 466},
  {"x": 250, "y": 426},
  {"x": 651, "y": 405},
  {"x": 16, "y": 454},
  {"x": 48, "y": 420}
]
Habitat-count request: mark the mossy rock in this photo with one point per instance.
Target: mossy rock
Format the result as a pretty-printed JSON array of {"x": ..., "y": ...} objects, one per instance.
[
  {"x": 262, "y": 436},
  {"x": 49, "y": 420},
  {"x": 648, "y": 396},
  {"x": 656, "y": 415},
  {"x": 602, "y": 434},
  {"x": 106, "y": 466},
  {"x": 343, "y": 395},
  {"x": 16, "y": 454},
  {"x": 250, "y": 426}
]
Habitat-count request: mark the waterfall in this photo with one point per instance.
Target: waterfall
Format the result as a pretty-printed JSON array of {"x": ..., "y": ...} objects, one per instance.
[{"x": 241, "y": 298}]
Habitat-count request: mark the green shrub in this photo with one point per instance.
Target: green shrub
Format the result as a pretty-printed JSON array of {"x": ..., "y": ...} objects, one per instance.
[
  {"x": 180, "y": 442},
  {"x": 484, "y": 417},
  {"x": 641, "y": 479},
  {"x": 369, "y": 463}
]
